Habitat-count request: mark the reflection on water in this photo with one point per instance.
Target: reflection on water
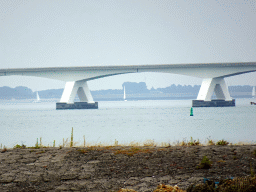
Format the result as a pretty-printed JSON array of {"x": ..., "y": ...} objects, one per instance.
[{"x": 158, "y": 120}]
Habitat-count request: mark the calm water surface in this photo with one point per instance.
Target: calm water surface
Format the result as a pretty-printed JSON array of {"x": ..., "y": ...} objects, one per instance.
[{"x": 130, "y": 121}]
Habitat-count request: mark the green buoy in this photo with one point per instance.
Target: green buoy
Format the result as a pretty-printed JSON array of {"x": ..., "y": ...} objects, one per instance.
[{"x": 191, "y": 111}]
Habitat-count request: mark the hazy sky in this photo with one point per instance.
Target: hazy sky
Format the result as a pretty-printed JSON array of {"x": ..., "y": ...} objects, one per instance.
[{"x": 40, "y": 33}]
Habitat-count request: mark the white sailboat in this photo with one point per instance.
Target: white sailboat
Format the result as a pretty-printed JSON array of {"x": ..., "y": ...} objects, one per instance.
[
  {"x": 124, "y": 95},
  {"x": 253, "y": 95},
  {"x": 37, "y": 98}
]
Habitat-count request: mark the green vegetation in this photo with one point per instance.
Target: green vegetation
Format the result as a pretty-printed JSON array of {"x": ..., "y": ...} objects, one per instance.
[
  {"x": 147, "y": 143},
  {"x": 193, "y": 142},
  {"x": 36, "y": 145},
  {"x": 190, "y": 143},
  {"x": 72, "y": 137},
  {"x": 241, "y": 184},
  {"x": 205, "y": 163},
  {"x": 19, "y": 146},
  {"x": 222, "y": 142},
  {"x": 41, "y": 145},
  {"x": 210, "y": 141}
]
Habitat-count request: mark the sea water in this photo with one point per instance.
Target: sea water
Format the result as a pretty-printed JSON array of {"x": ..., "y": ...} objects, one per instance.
[{"x": 160, "y": 121}]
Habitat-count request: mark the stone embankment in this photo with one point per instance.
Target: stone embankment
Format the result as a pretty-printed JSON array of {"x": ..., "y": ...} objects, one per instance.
[{"x": 112, "y": 168}]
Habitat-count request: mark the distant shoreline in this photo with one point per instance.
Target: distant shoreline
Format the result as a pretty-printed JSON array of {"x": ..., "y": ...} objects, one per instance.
[
  {"x": 134, "y": 91},
  {"x": 129, "y": 98}
]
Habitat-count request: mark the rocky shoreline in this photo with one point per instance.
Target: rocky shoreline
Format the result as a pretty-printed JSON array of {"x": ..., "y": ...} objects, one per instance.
[{"x": 112, "y": 168}]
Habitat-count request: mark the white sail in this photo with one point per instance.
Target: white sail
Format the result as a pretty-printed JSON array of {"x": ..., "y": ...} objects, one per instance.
[
  {"x": 37, "y": 97},
  {"x": 124, "y": 94},
  {"x": 253, "y": 91}
]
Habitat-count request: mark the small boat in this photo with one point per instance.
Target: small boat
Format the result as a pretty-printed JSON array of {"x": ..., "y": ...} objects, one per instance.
[{"x": 124, "y": 95}]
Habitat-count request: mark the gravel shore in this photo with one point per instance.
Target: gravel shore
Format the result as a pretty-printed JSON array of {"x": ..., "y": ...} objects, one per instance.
[{"x": 112, "y": 168}]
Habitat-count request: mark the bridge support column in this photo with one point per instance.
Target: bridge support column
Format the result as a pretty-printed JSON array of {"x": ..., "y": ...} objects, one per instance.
[
  {"x": 210, "y": 85},
  {"x": 82, "y": 90}
]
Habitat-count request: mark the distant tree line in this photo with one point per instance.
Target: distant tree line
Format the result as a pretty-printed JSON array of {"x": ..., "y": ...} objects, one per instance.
[
  {"x": 130, "y": 88},
  {"x": 16, "y": 93}
]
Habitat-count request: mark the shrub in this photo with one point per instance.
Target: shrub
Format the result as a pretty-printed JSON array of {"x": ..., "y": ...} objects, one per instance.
[
  {"x": 19, "y": 146},
  {"x": 222, "y": 142},
  {"x": 183, "y": 143},
  {"x": 204, "y": 187},
  {"x": 241, "y": 184},
  {"x": 193, "y": 142},
  {"x": 205, "y": 163}
]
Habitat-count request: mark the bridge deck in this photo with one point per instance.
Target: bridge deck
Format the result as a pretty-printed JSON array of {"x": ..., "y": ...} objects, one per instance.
[{"x": 128, "y": 67}]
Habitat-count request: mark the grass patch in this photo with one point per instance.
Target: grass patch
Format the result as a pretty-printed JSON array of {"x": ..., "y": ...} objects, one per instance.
[
  {"x": 193, "y": 142},
  {"x": 210, "y": 141},
  {"x": 69, "y": 142},
  {"x": 222, "y": 142},
  {"x": 242, "y": 184},
  {"x": 149, "y": 143},
  {"x": 19, "y": 146}
]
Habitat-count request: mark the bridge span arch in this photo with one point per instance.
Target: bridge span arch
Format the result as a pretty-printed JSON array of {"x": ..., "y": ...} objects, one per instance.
[{"x": 76, "y": 78}]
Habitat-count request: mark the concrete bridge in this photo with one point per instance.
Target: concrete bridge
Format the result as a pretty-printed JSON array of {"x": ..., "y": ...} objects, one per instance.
[{"x": 213, "y": 75}]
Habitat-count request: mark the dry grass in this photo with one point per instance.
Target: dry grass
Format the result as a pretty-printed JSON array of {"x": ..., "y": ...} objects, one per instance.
[
  {"x": 126, "y": 190},
  {"x": 160, "y": 188},
  {"x": 132, "y": 151},
  {"x": 149, "y": 143},
  {"x": 168, "y": 188}
]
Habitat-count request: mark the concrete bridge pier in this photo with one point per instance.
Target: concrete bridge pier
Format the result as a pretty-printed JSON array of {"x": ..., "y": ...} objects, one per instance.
[
  {"x": 219, "y": 87},
  {"x": 82, "y": 90}
]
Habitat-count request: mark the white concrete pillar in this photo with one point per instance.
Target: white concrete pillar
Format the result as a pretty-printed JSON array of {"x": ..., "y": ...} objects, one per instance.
[
  {"x": 84, "y": 92},
  {"x": 76, "y": 87},
  {"x": 218, "y": 85}
]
